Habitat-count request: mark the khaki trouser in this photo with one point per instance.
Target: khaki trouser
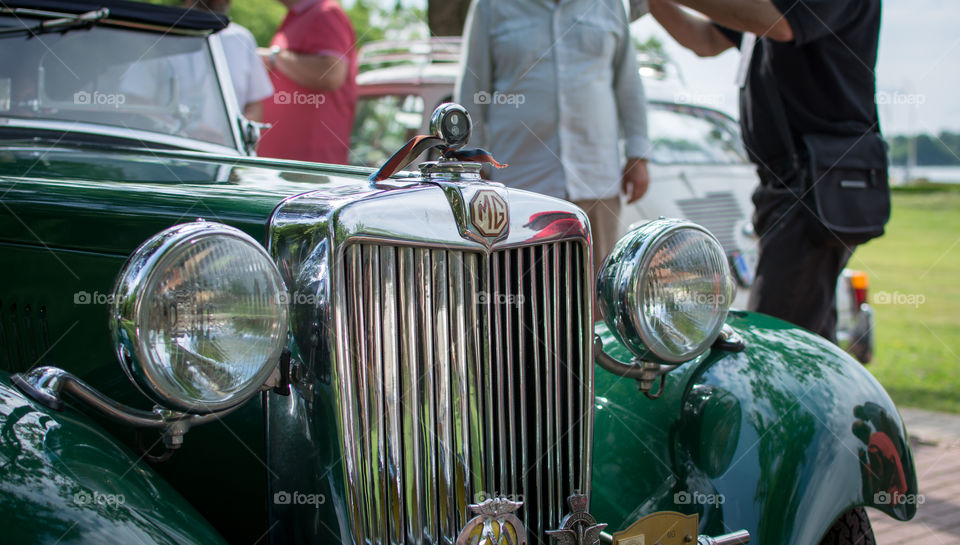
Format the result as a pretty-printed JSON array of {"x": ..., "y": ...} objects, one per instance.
[{"x": 604, "y": 216}]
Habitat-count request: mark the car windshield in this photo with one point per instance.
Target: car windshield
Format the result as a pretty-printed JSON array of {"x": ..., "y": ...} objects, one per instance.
[
  {"x": 384, "y": 124},
  {"x": 687, "y": 134},
  {"x": 163, "y": 83}
]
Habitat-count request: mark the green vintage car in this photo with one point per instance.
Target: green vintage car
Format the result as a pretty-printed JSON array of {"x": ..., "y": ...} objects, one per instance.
[{"x": 202, "y": 346}]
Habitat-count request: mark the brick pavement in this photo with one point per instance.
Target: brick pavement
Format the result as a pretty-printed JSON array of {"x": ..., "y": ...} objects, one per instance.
[{"x": 936, "y": 449}]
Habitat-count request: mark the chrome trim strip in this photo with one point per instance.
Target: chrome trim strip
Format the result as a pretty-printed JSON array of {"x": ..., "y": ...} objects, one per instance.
[
  {"x": 521, "y": 365},
  {"x": 512, "y": 301},
  {"x": 234, "y": 109},
  {"x": 459, "y": 377},
  {"x": 475, "y": 402},
  {"x": 348, "y": 418},
  {"x": 549, "y": 315},
  {"x": 538, "y": 407},
  {"x": 136, "y": 137},
  {"x": 392, "y": 397},
  {"x": 378, "y": 474},
  {"x": 568, "y": 362},
  {"x": 413, "y": 478},
  {"x": 427, "y": 369},
  {"x": 585, "y": 260},
  {"x": 445, "y": 483}
]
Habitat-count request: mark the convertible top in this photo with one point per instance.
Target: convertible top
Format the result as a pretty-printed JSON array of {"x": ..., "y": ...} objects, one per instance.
[{"x": 131, "y": 12}]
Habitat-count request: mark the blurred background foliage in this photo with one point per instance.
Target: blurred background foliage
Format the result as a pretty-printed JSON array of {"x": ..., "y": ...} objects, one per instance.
[{"x": 372, "y": 20}]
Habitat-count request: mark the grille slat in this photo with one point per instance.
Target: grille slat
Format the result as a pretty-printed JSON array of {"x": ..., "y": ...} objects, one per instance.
[
  {"x": 461, "y": 373},
  {"x": 535, "y": 509},
  {"x": 410, "y": 395},
  {"x": 372, "y": 387},
  {"x": 427, "y": 428},
  {"x": 521, "y": 332},
  {"x": 459, "y": 381},
  {"x": 445, "y": 484},
  {"x": 568, "y": 359},
  {"x": 392, "y": 401}
]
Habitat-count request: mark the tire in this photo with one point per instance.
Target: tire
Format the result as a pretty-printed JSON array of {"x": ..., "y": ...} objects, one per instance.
[{"x": 852, "y": 528}]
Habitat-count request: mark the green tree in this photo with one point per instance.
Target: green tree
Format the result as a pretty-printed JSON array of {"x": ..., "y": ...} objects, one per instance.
[{"x": 940, "y": 150}]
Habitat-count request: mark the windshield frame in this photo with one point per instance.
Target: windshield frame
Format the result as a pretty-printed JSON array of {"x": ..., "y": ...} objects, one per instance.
[{"x": 713, "y": 115}]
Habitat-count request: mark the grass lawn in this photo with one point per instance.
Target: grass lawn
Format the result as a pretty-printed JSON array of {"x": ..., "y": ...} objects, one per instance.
[{"x": 915, "y": 290}]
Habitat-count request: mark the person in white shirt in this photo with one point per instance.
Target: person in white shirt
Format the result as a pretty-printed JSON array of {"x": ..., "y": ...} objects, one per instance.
[
  {"x": 554, "y": 90},
  {"x": 250, "y": 80}
]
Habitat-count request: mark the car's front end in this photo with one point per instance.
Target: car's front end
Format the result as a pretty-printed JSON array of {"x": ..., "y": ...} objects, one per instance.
[{"x": 202, "y": 347}]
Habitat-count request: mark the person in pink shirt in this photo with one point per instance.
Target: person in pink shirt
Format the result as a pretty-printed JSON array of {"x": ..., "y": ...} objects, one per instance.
[{"x": 312, "y": 61}]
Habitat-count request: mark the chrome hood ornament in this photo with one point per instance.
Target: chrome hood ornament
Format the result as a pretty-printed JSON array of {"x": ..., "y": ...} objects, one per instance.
[
  {"x": 495, "y": 524},
  {"x": 578, "y": 527},
  {"x": 450, "y": 128}
]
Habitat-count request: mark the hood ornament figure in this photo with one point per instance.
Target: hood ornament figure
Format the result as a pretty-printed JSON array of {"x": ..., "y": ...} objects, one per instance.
[
  {"x": 579, "y": 527},
  {"x": 450, "y": 126},
  {"x": 495, "y": 524}
]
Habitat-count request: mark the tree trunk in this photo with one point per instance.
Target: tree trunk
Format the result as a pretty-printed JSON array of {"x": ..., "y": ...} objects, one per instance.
[{"x": 446, "y": 17}]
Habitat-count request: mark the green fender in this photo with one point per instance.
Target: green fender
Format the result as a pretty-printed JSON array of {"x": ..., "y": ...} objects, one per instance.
[
  {"x": 64, "y": 480},
  {"x": 779, "y": 439}
]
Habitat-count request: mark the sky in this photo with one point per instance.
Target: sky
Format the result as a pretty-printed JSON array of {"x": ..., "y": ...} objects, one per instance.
[{"x": 918, "y": 70}]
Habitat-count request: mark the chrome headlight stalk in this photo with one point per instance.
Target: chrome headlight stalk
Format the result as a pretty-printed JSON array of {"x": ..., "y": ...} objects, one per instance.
[
  {"x": 664, "y": 292},
  {"x": 199, "y": 321}
]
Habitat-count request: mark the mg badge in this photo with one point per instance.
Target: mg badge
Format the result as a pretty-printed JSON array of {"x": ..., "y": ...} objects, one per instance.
[
  {"x": 495, "y": 524},
  {"x": 579, "y": 527},
  {"x": 488, "y": 213}
]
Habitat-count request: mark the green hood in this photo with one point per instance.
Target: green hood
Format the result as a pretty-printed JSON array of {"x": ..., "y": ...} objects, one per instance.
[{"x": 108, "y": 201}]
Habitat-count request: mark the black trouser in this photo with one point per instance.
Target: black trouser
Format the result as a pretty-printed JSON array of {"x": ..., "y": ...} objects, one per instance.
[{"x": 799, "y": 260}]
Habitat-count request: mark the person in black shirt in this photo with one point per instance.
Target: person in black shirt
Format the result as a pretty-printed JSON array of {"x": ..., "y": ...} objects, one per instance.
[{"x": 819, "y": 55}]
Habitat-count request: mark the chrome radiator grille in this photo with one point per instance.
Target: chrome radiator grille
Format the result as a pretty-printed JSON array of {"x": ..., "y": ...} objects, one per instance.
[{"x": 462, "y": 376}]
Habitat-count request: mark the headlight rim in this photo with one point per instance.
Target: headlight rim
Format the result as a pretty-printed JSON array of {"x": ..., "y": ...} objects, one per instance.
[{"x": 129, "y": 295}]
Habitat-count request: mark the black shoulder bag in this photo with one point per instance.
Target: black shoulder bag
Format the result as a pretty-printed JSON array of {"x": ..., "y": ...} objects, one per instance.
[{"x": 845, "y": 179}]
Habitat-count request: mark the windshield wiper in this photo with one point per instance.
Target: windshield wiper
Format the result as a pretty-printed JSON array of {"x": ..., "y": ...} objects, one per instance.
[{"x": 62, "y": 23}]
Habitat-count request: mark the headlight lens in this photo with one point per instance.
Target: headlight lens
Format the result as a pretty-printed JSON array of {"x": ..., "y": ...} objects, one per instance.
[
  {"x": 665, "y": 290},
  {"x": 200, "y": 317}
]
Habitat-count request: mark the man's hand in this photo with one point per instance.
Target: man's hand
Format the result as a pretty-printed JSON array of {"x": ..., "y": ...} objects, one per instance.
[{"x": 635, "y": 179}]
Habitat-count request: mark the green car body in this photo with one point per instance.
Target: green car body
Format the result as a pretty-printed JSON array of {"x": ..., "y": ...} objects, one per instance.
[
  {"x": 780, "y": 436},
  {"x": 771, "y": 428}
]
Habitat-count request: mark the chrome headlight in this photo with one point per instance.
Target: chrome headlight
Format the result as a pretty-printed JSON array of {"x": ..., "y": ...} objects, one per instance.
[
  {"x": 665, "y": 290},
  {"x": 199, "y": 317}
]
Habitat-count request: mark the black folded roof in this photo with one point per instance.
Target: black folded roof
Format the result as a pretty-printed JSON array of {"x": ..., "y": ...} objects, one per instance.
[{"x": 134, "y": 12}]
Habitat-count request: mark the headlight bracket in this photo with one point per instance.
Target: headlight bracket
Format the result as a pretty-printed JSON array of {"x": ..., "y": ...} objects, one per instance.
[{"x": 646, "y": 373}]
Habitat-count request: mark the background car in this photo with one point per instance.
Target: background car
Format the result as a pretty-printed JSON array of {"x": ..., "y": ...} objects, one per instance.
[
  {"x": 201, "y": 346},
  {"x": 698, "y": 168}
]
